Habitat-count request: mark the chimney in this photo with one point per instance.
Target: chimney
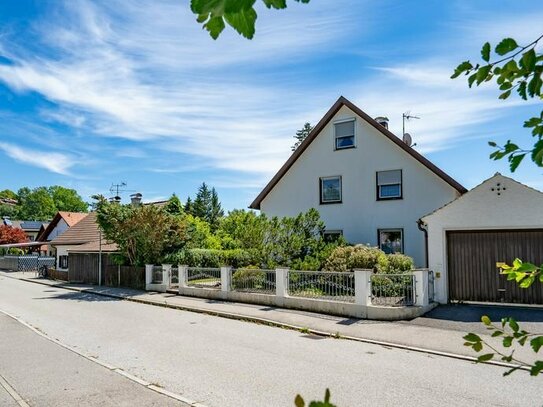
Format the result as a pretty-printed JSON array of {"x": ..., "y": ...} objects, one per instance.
[
  {"x": 135, "y": 199},
  {"x": 383, "y": 121}
]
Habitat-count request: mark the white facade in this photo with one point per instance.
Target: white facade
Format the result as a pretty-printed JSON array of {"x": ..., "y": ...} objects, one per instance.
[
  {"x": 360, "y": 214},
  {"x": 498, "y": 203},
  {"x": 62, "y": 251}
]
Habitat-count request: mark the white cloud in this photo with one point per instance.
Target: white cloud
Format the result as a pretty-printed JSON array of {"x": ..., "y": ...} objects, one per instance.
[{"x": 51, "y": 161}]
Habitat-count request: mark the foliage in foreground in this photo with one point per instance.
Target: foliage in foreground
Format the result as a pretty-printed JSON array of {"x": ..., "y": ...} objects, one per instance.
[
  {"x": 509, "y": 331},
  {"x": 299, "y": 401},
  {"x": 515, "y": 68},
  {"x": 239, "y": 14}
]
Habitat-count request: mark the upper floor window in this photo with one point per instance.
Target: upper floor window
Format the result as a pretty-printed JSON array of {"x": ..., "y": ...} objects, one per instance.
[
  {"x": 389, "y": 184},
  {"x": 344, "y": 134},
  {"x": 330, "y": 190}
]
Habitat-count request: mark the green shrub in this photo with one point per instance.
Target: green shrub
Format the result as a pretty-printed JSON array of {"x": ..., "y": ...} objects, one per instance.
[
  {"x": 399, "y": 263},
  {"x": 213, "y": 258},
  {"x": 356, "y": 257},
  {"x": 16, "y": 251},
  {"x": 249, "y": 278}
]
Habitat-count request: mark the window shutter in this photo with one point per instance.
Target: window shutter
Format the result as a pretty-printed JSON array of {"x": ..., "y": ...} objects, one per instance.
[
  {"x": 345, "y": 129},
  {"x": 389, "y": 177}
]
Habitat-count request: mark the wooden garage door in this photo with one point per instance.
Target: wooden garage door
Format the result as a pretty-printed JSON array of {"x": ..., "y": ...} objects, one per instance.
[{"x": 472, "y": 272}]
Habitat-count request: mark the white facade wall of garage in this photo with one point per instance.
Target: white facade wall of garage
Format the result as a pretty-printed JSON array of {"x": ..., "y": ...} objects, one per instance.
[
  {"x": 499, "y": 203},
  {"x": 360, "y": 214}
]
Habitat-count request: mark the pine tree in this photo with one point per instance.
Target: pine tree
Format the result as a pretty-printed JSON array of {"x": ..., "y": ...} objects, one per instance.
[
  {"x": 202, "y": 202},
  {"x": 174, "y": 207},
  {"x": 301, "y": 135},
  {"x": 215, "y": 211},
  {"x": 189, "y": 209}
]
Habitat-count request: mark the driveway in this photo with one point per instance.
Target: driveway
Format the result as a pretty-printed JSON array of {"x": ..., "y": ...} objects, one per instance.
[{"x": 467, "y": 317}]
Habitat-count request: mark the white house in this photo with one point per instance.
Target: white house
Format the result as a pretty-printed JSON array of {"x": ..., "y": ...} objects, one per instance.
[
  {"x": 497, "y": 221},
  {"x": 366, "y": 183}
]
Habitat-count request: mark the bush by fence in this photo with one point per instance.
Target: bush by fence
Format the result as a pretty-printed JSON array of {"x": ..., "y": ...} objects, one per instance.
[{"x": 214, "y": 258}]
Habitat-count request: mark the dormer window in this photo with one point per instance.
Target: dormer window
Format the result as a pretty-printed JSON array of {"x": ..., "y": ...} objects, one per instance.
[{"x": 344, "y": 134}]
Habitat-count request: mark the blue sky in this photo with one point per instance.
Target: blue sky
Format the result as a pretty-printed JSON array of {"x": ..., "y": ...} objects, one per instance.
[{"x": 98, "y": 92}]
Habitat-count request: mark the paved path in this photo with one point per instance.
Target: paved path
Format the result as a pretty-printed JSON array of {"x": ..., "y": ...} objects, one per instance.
[
  {"x": 43, "y": 373},
  {"x": 223, "y": 362}
]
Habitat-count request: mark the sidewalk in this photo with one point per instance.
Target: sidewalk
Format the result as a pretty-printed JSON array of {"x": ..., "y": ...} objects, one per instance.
[{"x": 412, "y": 335}]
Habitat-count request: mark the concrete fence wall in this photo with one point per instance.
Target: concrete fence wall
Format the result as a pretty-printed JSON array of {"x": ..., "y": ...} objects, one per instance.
[{"x": 359, "y": 307}]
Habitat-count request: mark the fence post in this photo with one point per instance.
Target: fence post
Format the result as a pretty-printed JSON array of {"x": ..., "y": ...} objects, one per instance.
[
  {"x": 148, "y": 274},
  {"x": 226, "y": 278},
  {"x": 166, "y": 273},
  {"x": 183, "y": 274},
  {"x": 421, "y": 287},
  {"x": 362, "y": 286},
  {"x": 281, "y": 282}
]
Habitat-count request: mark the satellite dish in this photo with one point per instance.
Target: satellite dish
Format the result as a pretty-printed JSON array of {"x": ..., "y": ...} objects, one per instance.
[{"x": 407, "y": 139}]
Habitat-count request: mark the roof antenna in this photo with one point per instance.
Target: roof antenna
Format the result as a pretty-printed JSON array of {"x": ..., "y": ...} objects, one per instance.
[
  {"x": 117, "y": 189},
  {"x": 406, "y": 136}
]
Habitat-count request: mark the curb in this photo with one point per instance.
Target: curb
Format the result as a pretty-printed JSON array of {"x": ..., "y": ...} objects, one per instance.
[
  {"x": 258, "y": 320},
  {"x": 117, "y": 370}
]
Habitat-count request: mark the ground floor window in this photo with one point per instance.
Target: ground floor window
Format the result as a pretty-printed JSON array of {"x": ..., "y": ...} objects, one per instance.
[
  {"x": 330, "y": 236},
  {"x": 62, "y": 262},
  {"x": 390, "y": 240}
]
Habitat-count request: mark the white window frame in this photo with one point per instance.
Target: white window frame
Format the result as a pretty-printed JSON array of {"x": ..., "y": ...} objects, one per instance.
[
  {"x": 400, "y": 184},
  {"x": 321, "y": 190},
  {"x": 350, "y": 119},
  {"x": 402, "y": 234}
]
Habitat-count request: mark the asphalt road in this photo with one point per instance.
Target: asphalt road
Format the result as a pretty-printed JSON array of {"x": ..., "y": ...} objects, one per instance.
[
  {"x": 223, "y": 362},
  {"x": 43, "y": 373}
]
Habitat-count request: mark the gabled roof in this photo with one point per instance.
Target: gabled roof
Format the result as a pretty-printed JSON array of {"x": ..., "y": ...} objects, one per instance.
[
  {"x": 95, "y": 247},
  {"x": 496, "y": 176},
  {"x": 84, "y": 231},
  {"x": 71, "y": 218},
  {"x": 384, "y": 131}
]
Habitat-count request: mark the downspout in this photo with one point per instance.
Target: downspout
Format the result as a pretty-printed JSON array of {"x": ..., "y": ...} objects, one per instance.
[{"x": 422, "y": 228}]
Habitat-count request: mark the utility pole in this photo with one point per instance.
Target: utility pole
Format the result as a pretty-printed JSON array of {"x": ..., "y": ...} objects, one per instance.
[{"x": 407, "y": 116}]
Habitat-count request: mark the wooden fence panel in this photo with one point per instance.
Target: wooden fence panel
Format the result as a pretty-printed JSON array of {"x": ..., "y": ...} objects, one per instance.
[
  {"x": 125, "y": 276},
  {"x": 83, "y": 267}
]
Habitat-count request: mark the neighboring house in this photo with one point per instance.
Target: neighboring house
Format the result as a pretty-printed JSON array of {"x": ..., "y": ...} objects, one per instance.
[
  {"x": 82, "y": 238},
  {"x": 30, "y": 227},
  {"x": 497, "y": 221},
  {"x": 367, "y": 184},
  {"x": 60, "y": 223}
]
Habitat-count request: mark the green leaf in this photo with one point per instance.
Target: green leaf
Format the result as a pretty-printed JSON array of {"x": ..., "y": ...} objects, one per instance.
[
  {"x": 471, "y": 337},
  {"x": 486, "y": 320},
  {"x": 243, "y": 22},
  {"x": 536, "y": 343},
  {"x": 505, "y": 95},
  {"x": 215, "y": 26},
  {"x": 276, "y": 4},
  {"x": 299, "y": 401},
  {"x": 485, "y": 52},
  {"x": 492, "y": 144},
  {"x": 537, "y": 153},
  {"x": 477, "y": 346},
  {"x": 327, "y": 396},
  {"x": 528, "y": 60},
  {"x": 507, "y": 341},
  {"x": 515, "y": 160},
  {"x": 534, "y": 86},
  {"x": 485, "y": 358},
  {"x": 536, "y": 368},
  {"x": 483, "y": 74},
  {"x": 506, "y": 45},
  {"x": 496, "y": 333},
  {"x": 471, "y": 79},
  {"x": 527, "y": 282},
  {"x": 463, "y": 67}
]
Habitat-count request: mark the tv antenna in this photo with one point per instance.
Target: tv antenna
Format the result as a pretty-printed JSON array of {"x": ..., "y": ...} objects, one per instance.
[
  {"x": 406, "y": 136},
  {"x": 117, "y": 189}
]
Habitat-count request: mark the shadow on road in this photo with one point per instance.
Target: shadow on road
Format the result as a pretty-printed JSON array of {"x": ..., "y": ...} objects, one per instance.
[{"x": 78, "y": 296}]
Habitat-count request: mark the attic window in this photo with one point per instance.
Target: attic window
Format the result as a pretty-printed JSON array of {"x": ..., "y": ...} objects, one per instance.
[{"x": 344, "y": 134}]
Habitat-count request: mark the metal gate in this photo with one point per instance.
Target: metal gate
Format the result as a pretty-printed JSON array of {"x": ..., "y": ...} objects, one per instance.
[{"x": 472, "y": 271}]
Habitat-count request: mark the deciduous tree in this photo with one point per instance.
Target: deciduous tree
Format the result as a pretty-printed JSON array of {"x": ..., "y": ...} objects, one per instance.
[{"x": 9, "y": 234}]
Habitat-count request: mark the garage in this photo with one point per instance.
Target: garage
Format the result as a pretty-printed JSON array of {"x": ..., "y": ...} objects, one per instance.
[
  {"x": 472, "y": 258},
  {"x": 499, "y": 220}
]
